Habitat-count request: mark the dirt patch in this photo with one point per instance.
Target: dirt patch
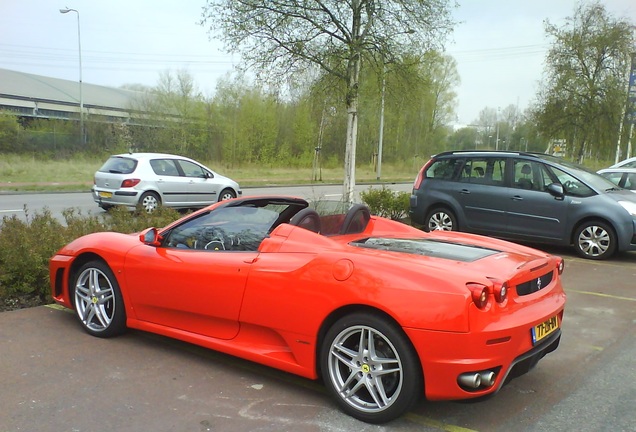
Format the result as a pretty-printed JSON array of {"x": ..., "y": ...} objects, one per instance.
[{"x": 21, "y": 302}]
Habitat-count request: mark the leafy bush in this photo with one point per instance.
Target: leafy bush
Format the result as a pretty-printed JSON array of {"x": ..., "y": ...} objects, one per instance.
[
  {"x": 386, "y": 203},
  {"x": 26, "y": 246}
]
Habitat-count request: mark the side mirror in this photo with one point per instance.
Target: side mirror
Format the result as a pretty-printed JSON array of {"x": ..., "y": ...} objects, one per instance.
[
  {"x": 150, "y": 236},
  {"x": 556, "y": 190}
]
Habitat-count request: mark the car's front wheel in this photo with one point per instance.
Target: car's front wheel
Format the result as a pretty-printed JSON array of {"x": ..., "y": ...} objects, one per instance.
[
  {"x": 98, "y": 301},
  {"x": 370, "y": 368},
  {"x": 595, "y": 240},
  {"x": 440, "y": 219},
  {"x": 226, "y": 194},
  {"x": 149, "y": 201}
]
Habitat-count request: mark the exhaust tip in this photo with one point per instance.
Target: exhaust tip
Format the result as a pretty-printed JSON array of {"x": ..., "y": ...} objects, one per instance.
[
  {"x": 487, "y": 378},
  {"x": 470, "y": 380}
]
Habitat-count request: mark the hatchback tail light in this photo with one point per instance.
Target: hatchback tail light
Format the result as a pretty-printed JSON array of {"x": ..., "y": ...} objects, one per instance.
[{"x": 128, "y": 183}]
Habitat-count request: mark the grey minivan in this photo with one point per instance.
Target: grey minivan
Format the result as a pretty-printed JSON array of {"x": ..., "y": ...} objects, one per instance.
[{"x": 529, "y": 197}]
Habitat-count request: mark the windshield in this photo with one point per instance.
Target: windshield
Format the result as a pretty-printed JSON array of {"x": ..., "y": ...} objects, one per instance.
[{"x": 592, "y": 179}]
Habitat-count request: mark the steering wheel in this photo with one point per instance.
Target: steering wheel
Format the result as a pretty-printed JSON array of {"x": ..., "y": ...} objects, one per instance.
[{"x": 211, "y": 238}]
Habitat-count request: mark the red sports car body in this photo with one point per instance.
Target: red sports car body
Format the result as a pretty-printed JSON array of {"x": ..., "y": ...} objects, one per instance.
[{"x": 383, "y": 312}]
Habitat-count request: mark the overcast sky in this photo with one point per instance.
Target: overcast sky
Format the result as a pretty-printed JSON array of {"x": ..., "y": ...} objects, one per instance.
[{"x": 499, "y": 46}]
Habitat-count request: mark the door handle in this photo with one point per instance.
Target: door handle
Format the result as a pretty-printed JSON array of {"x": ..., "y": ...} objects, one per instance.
[
  {"x": 464, "y": 191},
  {"x": 517, "y": 198}
]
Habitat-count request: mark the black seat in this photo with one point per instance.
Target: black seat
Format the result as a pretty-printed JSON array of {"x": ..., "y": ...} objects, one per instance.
[
  {"x": 307, "y": 218},
  {"x": 525, "y": 182},
  {"x": 356, "y": 219}
]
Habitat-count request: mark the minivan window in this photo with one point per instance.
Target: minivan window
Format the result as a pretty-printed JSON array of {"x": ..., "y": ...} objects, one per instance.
[
  {"x": 444, "y": 169},
  {"x": 480, "y": 170},
  {"x": 571, "y": 185}
]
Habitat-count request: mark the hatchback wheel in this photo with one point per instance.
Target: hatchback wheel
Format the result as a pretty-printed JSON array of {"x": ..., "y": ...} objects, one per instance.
[
  {"x": 226, "y": 194},
  {"x": 98, "y": 301},
  {"x": 370, "y": 368},
  {"x": 595, "y": 240},
  {"x": 440, "y": 219},
  {"x": 149, "y": 201}
]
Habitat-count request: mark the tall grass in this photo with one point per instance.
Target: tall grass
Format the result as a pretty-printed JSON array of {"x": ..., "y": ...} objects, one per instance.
[{"x": 19, "y": 172}]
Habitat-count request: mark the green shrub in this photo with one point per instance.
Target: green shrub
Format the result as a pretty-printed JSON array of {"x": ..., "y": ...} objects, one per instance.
[
  {"x": 26, "y": 246},
  {"x": 25, "y": 249},
  {"x": 386, "y": 203}
]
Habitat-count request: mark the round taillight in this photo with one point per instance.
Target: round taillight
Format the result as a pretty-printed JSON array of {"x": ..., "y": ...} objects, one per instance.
[
  {"x": 479, "y": 294},
  {"x": 499, "y": 290},
  {"x": 501, "y": 293},
  {"x": 561, "y": 265}
]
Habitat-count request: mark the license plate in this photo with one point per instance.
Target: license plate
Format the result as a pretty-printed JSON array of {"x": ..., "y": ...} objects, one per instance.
[
  {"x": 106, "y": 194},
  {"x": 544, "y": 329}
]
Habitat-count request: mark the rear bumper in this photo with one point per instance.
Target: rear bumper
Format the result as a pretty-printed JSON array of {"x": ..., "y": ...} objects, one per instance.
[
  {"x": 112, "y": 198},
  {"x": 508, "y": 353}
]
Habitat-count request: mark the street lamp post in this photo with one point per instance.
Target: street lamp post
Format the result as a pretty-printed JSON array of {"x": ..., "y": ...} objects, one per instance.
[{"x": 79, "y": 44}]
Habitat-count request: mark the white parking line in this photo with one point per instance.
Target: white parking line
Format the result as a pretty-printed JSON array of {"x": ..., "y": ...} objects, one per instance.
[{"x": 11, "y": 211}]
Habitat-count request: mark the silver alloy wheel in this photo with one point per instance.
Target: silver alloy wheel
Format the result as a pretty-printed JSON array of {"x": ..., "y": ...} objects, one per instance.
[
  {"x": 594, "y": 241},
  {"x": 226, "y": 194},
  {"x": 149, "y": 202},
  {"x": 94, "y": 299},
  {"x": 365, "y": 369},
  {"x": 440, "y": 221}
]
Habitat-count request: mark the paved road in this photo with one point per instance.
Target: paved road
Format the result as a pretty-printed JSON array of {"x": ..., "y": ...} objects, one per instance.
[
  {"x": 54, "y": 377},
  {"x": 12, "y": 204}
]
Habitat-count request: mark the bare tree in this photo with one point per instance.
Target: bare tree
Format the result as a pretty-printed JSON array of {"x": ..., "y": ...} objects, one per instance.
[{"x": 280, "y": 37}]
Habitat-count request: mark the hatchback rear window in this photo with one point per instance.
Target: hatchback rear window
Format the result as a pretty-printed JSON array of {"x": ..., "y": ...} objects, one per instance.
[{"x": 119, "y": 165}]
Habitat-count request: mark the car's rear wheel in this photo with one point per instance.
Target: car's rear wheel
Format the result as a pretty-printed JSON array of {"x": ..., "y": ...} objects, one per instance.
[
  {"x": 440, "y": 219},
  {"x": 149, "y": 201},
  {"x": 226, "y": 194},
  {"x": 595, "y": 240},
  {"x": 370, "y": 368},
  {"x": 98, "y": 301}
]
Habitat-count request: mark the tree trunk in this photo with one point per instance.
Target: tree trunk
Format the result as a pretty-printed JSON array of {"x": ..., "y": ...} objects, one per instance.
[{"x": 353, "y": 92}]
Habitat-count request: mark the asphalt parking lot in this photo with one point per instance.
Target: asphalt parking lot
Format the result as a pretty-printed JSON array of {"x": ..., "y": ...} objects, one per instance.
[{"x": 55, "y": 377}]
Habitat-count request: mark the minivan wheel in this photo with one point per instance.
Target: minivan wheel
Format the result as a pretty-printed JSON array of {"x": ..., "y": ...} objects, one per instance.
[
  {"x": 440, "y": 219},
  {"x": 595, "y": 240}
]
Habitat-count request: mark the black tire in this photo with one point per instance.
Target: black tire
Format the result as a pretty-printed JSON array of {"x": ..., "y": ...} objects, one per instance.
[
  {"x": 149, "y": 201},
  {"x": 440, "y": 219},
  {"x": 382, "y": 396},
  {"x": 98, "y": 301},
  {"x": 227, "y": 194},
  {"x": 595, "y": 240}
]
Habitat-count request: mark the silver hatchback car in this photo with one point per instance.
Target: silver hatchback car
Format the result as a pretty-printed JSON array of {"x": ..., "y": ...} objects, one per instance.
[{"x": 156, "y": 179}]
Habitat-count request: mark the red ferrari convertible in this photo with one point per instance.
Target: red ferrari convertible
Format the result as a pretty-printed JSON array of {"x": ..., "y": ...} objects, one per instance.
[{"x": 383, "y": 312}]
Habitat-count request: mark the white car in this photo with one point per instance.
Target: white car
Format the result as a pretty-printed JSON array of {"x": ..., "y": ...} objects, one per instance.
[
  {"x": 151, "y": 180},
  {"x": 627, "y": 163},
  {"x": 622, "y": 177}
]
